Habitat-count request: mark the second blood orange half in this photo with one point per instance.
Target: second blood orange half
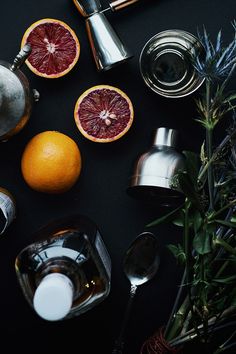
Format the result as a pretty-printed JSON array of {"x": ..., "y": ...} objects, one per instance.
[
  {"x": 103, "y": 113},
  {"x": 55, "y": 48}
]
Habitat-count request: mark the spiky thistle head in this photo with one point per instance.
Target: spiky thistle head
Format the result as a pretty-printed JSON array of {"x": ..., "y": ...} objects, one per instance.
[{"x": 218, "y": 60}]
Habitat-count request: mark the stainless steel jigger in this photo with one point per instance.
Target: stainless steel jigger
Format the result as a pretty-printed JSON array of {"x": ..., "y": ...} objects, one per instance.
[{"x": 107, "y": 48}]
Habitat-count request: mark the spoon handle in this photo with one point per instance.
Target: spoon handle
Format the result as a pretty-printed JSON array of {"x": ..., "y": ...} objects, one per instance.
[{"x": 119, "y": 343}]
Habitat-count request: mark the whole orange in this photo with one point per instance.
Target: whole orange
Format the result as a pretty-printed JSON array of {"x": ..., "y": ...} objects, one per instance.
[{"x": 51, "y": 162}]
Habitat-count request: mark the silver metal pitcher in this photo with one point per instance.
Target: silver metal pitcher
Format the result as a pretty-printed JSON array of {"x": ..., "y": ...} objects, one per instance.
[
  {"x": 155, "y": 169},
  {"x": 107, "y": 48},
  {"x": 16, "y": 97}
]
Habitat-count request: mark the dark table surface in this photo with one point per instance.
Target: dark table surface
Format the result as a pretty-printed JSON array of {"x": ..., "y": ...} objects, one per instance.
[{"x": 101, "y": 190}]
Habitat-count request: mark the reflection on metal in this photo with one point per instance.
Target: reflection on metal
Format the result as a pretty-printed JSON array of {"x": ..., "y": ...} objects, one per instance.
[
  {"x": 107, "y": 48},
  {"x": 16, "y": 97},
  {"x": 155, "y": 170}
]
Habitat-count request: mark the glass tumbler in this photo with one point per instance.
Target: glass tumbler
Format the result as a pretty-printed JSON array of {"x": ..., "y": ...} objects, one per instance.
[{"x": 166, "y": 63}]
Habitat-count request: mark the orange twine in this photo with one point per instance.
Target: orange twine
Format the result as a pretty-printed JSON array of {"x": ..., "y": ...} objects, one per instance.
[{"x": 157, "y": 344}]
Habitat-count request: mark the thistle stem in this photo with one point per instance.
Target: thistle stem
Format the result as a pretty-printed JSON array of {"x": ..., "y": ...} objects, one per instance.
[
  {"x": 209, "y": 131},
  {"x": 210, "y": 170}
]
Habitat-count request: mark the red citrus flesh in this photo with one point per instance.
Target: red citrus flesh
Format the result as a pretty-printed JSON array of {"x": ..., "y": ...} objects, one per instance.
[
  {"x": 55, "y": 48},
  {"x": 103, "y": 113}
]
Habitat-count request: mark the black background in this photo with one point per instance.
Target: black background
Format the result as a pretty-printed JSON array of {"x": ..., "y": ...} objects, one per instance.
[{"x": 101, "y": 190}]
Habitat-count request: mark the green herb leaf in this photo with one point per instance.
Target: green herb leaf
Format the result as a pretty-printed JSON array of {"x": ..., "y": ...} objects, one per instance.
[
  {"x": 179, "y": 219},
  {"x": 203, "y": 154},
  {"x": 166, "y": 218},
  {"x": 178, "y": 252},
  {"x": 201, "y": 242},
  {"x": 233, "y": 219}
]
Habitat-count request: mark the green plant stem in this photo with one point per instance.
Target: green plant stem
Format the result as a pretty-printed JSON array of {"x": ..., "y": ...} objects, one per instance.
[
  {"x": 226, "y": 246},
  {"x": 225, "y": 345},
  {"x": 174, "y": 309},
  {"x": 209, "y": 133},
  {"x": 179, "y": 318},
  {"x": 186, "y": 242},
  {"x": 204, "y": 297},
  {"x": 218, "y": 212},
  {"x": 191, "y": 334},
  {"x": 228, "y": 347},
  {"x": 188, "y": 260},
  {"x": 222, "y": 268},
  {"x": 210, "y": 176}
]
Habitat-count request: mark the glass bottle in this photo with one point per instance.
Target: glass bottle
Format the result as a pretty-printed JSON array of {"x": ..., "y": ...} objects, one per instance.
[{"x": 67, "y": 270}]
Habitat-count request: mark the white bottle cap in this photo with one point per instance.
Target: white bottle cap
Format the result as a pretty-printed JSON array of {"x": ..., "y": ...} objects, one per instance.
[{"x": 53, "y": 297}]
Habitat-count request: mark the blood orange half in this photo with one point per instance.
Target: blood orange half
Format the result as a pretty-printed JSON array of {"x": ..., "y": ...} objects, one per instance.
[
  {"x": 103, "y": 113},
  {"x": 55, "y": 48}
]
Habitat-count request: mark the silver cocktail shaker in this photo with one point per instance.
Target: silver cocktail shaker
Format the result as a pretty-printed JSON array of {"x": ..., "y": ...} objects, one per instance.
[{"x": 154, "y": 170}]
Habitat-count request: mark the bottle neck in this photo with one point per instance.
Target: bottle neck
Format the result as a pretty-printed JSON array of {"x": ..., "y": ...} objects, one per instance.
[{"x": 61, "y": 266}]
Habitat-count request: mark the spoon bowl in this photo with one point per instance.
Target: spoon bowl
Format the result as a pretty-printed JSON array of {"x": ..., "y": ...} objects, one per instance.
[
  {"x": 141, "y": 260},
  {"x": 140, "y": 264}
]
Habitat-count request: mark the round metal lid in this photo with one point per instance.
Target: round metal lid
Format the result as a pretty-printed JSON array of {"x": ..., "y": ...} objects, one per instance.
[{"x": 166, "y": 63}]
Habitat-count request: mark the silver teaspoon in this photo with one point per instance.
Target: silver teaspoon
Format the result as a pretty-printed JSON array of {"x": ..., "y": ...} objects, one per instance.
[{"x": 140, "y": 264}]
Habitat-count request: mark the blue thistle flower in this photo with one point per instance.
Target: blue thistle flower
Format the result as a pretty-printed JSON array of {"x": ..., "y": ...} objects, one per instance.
[{"x": 218, "y": 61}]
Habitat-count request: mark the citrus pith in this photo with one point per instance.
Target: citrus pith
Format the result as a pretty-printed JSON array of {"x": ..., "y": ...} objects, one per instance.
[
  {"x": 51, "y": 162},
  {"x": 103, "y": 113},
  {"x": 55, "y": 48}
]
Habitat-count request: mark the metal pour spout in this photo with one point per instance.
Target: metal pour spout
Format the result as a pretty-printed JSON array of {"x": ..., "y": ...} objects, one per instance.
[{"x": 21, "y": 57}]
